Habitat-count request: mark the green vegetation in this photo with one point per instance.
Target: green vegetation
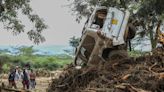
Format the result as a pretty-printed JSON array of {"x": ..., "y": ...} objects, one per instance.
[
  {"x": 135, "y": 53},
  {"x": 25, "y": 55},
  {"x": 36, "y": 62},
  {"x": 74, "y": 42}
]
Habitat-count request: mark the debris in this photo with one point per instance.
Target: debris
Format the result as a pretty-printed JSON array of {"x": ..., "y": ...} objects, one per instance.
[{"x": 142, "y": 74}]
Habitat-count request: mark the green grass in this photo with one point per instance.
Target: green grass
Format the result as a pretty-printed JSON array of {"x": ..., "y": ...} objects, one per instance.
[{"x": 135, "y": 53}]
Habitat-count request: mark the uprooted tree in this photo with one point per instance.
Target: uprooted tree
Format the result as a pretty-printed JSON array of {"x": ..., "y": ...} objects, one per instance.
[
  {"x": 9, "y": 11},
  {"x": 144, "y": 13}
]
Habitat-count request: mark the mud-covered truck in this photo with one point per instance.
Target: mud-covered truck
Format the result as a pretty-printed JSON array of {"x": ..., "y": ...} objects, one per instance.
[{"x": 105, "y": 34}]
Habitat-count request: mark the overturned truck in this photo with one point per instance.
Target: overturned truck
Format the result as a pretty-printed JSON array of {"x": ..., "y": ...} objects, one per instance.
[
  {"x": 105, "y": 38},
  {"x": 105, "y": 34}
]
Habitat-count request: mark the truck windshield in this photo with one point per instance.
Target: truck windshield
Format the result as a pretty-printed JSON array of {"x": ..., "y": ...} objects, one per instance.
[{"x": 99, "y": 18}]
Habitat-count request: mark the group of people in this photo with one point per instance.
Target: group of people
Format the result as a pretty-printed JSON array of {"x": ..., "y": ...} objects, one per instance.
[{"x": 25, "y": 75}]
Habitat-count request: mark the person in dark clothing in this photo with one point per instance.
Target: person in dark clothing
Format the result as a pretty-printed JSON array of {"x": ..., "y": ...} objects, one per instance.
[
  {"x": 25, "y": 78},
  {"x": 11, "y": 79}
]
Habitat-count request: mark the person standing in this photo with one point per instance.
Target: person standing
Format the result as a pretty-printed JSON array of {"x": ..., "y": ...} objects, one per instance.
[
  {"x": 11, "y": 79},
  {"x": 32, "y": 79},
  {"x": 17, "y": 75},
  {"x": 25, "y": 78}
]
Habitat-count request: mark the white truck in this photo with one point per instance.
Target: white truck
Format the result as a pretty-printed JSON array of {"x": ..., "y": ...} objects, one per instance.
[{"x": 104, "y": 35}]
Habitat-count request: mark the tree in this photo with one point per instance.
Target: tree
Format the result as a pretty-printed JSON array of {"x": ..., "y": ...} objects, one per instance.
[
  {"x": 4, "y": 51},
  {"x": 144, "y": 13},
  {"x": 149, "y": 15},
  {"x": 26, "y": 51},
  {"x": 9, "y": 10},
  {"x": 74, "y": 42}
]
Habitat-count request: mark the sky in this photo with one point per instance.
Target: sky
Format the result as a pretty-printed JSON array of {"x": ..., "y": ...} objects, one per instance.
[{"x": 61, "y": 24}]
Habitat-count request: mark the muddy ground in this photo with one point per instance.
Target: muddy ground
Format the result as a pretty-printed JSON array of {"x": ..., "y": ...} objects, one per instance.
[{"x": 141, "y": 74}]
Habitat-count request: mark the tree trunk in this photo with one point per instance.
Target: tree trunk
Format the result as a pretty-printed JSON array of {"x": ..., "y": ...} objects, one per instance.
[
  {"x": 153, "y": 43},
  {"x": 154, "y": 38}
]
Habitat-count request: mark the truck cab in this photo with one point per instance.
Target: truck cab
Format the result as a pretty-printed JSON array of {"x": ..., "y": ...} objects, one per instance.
[{"x": 103, "y": 32}]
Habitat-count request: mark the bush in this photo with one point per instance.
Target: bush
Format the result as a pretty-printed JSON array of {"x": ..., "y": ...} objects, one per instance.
[{"x": 6, "y": 68}]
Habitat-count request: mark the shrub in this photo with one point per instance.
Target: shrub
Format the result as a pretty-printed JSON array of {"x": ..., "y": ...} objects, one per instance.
[{"x": 6, "y": 68}]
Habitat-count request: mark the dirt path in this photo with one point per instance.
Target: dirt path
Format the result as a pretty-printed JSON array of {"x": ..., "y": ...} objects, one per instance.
[{"x": 41, "y": 84}]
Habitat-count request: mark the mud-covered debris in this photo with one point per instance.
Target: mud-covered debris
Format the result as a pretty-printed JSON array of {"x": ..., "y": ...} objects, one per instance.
[{"x": 142, "y": 74}]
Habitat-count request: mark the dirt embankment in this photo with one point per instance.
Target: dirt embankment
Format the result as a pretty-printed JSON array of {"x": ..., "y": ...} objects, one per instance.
[{"x": 142, "y": 74}]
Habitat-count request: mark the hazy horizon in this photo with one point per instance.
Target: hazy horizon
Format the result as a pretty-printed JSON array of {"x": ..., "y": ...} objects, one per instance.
[{"x": 42, "y": 50}]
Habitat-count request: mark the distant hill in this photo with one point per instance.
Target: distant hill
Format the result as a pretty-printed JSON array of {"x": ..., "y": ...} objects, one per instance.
[{"x": 42, "y": 50}]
